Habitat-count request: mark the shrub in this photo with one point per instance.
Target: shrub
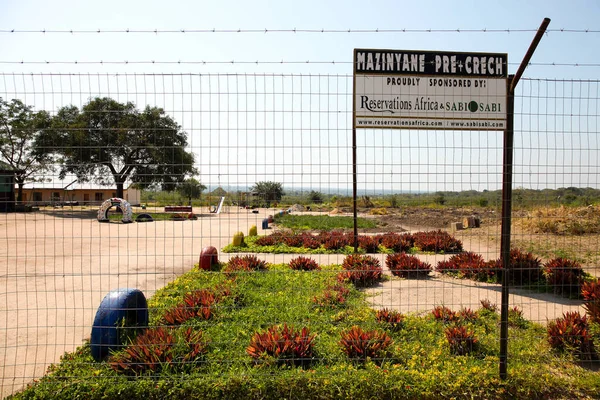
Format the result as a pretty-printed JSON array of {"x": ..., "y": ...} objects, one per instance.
[
  {"x": 282, "y": 343},
  {"x": 467, "y": 264},
  {"x": 392, "y": 318},
  {"x": 572, "y": 333},
  {"x": 196, "y": 304},
  {"x": 407, "y": 266},
  {"x": 467, "y": 315},
  {"x": 309, "y": 241},
  {"x": 361, "y": 270},
  {"x": 245, "y": 263},
  {"x": 291, "y": 239},
  {"x": 270, "y": 240},
  {"x": 525, "y": 268},
  {"x": 304, "y": 264},
  {"x": 369, "y": 244},
  {"x": 334, "y": 240},
  {"x": 362, "y": 345},
  {"x": 396, "y": 242},
  {"x": 444, "y": 314},
  {"x": 590, "y": 291},
  {"x": 515, "y": 318},
  {"x": 332, "y": 297},
  {"x": 461, "y": 339},
  {"x": 486, "y": 304},
  {"x": 565, "y": 276},
  {"x": 158, "y": 347},
  {"x": 437, "y": 242}
]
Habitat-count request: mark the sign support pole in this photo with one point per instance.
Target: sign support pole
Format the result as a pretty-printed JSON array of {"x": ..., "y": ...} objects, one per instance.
[{"x": 507, "y": 171}]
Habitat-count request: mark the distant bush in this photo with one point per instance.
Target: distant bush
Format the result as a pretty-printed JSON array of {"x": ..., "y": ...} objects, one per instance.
[
  {"x": 407, "y": 266},
  {"x": 437, "y": 241},
  {"x": 361, "y": 270},
  {"x": 564, "y": 276}
]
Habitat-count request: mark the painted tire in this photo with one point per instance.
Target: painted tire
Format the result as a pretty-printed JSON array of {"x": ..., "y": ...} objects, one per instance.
[
  {"x": 125, "y": 304},
  {"x": 119, "y": 203},
  {"x": 144, "y": 218}
]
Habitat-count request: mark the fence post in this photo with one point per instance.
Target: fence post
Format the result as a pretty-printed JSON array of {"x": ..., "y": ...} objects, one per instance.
[{"x": 511, "y": 84}]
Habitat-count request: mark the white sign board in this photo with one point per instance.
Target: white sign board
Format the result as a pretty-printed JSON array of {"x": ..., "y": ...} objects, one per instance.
[{"x": 429, "y": 90}]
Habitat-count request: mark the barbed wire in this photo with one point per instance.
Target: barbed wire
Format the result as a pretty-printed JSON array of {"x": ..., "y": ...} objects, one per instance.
[
  {"x": 246, "y": 62},
  {"x": 294, "y": 30}
]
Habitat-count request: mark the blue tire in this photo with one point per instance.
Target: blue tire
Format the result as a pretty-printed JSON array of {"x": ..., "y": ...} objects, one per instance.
[{"x": 120, "y": 307}]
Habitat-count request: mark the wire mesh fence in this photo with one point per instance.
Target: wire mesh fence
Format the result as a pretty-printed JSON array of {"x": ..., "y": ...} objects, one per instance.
[{"x": 259, "y": 167}]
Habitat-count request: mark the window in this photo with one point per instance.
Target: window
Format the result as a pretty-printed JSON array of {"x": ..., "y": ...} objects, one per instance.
[
  {"x": 86, "y": 197},
  {"x": 99, "y": 196},
  {"x": 37, "y": 196}
]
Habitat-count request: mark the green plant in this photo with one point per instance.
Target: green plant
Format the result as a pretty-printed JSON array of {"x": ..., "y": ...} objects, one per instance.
[
  {"x": 407, "y": 266},
  {"x": 572, "y": 333},
  {"x": 304, "y": 264},
  {"x": 565, "y": 276},
  {"x": 361, "y": 270},
  {"x": 461, "y": 339},
  {"x": 590, "y": 291},
  {"x": 362, "y": 345},
  {"x": 238, "y": 239},
  {"x": 391, "y": 318},
  {"x": 516, "y": 318},
  {"x": 282, "y": 343}
]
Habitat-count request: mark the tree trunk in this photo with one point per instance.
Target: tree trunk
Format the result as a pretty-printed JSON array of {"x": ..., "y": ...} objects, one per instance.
[
  {"x": 20, "y": 192},
  {"x": 120, "y": 190}
]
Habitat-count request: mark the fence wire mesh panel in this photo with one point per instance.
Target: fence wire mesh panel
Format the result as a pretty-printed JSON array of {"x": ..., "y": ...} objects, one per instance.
[{"x": 116, "y": 186}]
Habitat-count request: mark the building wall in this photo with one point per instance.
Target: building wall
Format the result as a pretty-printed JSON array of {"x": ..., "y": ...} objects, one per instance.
[{"x": 48, "y": 196}]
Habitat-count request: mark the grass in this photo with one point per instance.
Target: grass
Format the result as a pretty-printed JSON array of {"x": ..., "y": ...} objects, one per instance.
[
  {"x": 321, "y": 222},
  {"x": 419, "y": 364}
]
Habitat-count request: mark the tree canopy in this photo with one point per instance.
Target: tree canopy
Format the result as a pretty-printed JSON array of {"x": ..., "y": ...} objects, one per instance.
[
  {"x": 111, "y": 142},
  {"x": 268, "y": 191},
  {"x": 190, "y": 189},
  {"x": 19, "y": 127}
]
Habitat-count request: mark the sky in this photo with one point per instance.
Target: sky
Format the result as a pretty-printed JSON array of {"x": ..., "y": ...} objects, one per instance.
[{"x": 277, "y": 105}]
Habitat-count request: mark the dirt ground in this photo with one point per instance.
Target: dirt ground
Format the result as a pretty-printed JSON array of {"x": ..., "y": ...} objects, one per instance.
[{"x": 57, "y": 265}]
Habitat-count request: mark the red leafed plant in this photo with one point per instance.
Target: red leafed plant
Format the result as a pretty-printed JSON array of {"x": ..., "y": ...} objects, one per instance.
[
  {"x": 572, "y": 333},
  {"x": 565, "y": 276},
  {"x": 245, "y": 264},
  {"x": 157, "y": 347},
  {"x": 437, "y": 242},
  {"x": 397, "y": 243},
  {"x": 467, "y": 315},
  {"x": 361, "y": 270},
  {"x": 369, "y": 244},
  {"x": 407, "y": 266},
  {"x": 304, "y": 264},
  {"x": 270, "y": 240},
  {"x": 468, "y": 264},
  {"x": 332, "y": 297},
  {"x": 461, "y": 339},
  {"x": 309, "y": 241},
  {"x": 361, "y": 345},
  {"x": 525, "y": 268},
  {"x": 282, "y": 343},
  {"x": 486, "y": 304},
  {"x": 590, "y": 291},
  {"x": 392, "y": 318},
  {"x": 334, "y": 240},
  {"x": 196, "y": 304},
  {"x": 444, "y": 314}
]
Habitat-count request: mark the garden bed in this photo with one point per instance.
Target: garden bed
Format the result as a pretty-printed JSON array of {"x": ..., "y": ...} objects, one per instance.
[{"x": 218, "y": 339}]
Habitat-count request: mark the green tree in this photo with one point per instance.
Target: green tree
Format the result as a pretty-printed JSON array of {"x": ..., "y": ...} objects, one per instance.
[
  {"x": 190, "y": 189},
  {"x": 110, "y": 142},
  {"x": 19, "y": 127},
  {"x": 268, "y": 191},
  {"x": 315, "y": 197}
]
